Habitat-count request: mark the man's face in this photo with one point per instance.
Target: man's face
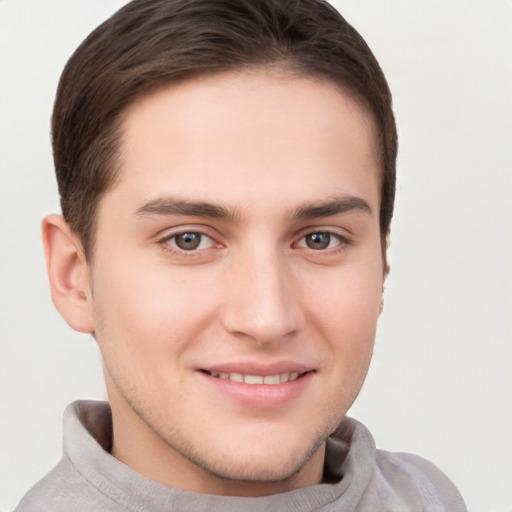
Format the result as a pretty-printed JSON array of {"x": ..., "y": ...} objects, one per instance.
[{"x": 237, "y": 279}]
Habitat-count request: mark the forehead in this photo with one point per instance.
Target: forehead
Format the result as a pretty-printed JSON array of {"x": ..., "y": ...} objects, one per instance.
[{"x": 253, "y": 133}]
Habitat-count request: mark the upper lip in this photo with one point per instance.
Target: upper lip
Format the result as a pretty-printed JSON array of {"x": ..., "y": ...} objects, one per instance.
[{"x": 251, "y": 368}]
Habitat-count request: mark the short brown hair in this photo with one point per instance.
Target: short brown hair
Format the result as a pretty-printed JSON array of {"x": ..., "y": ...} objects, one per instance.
[{"x": 149, "y": 43}]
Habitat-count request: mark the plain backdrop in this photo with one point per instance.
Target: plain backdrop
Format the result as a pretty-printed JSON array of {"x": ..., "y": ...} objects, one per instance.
[{"x": 440, "y": 383}]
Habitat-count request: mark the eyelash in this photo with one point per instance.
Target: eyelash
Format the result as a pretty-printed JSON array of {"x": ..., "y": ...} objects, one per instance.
[
  {"x": 342, "y": 241},
  {"x": 166, "y": 244}
]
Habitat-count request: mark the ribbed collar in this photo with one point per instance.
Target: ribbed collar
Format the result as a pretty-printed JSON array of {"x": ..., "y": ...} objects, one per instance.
[{"x": 350, "y": 460}]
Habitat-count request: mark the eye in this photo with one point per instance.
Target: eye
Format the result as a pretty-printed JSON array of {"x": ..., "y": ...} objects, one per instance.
[
  {"x": 320, "y": 241},
  {"x": 190, "y": 241}
]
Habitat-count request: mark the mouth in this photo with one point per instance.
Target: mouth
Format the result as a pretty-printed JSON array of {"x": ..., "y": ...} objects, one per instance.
[
  {"x": 259, "y": 386},
  {"x": 270, "y": 380}
]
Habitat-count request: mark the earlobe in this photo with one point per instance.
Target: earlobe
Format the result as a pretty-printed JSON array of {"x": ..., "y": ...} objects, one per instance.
[
  {"x": 68, "y": 273},
  {"x": 385, "y": 272}
]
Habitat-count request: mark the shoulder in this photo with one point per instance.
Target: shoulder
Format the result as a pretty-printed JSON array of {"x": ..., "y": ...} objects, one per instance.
[
  {"x": 64, "y": 489},
  {"x": 415, "y": 481},
  {"x": 386, "y": 481}
]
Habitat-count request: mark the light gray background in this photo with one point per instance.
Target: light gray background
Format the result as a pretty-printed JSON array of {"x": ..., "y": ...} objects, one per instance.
[{"x": 440, "y": 383}]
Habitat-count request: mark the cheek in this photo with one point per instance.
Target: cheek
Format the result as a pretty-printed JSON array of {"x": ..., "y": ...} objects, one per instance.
[
  {"x": 347, "y": 311},
  {"x": 350, "y": 295},
  {"x": 147, "y": 311}
]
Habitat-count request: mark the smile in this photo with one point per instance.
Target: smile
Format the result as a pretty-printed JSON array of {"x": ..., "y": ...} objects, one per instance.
[
  {"x": 278, "y": 378},
  {"x": 258, "y": 386}
]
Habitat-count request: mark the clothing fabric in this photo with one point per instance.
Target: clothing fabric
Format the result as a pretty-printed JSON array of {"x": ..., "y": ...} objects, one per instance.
[{"x": 88, "y": 478}]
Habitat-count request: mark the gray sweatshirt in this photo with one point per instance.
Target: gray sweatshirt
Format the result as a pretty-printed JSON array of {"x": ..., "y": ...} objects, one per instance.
[{"x": 89, "y": 479}]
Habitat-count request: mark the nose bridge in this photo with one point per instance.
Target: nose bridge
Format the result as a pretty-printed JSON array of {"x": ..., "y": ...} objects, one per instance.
[{"x": 260, "y": 299}]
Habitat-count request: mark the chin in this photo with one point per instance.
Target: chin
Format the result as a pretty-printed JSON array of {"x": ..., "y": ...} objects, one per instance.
[
  {"x": 263, "y": 463},
  {"x": 268, "y": 471}
]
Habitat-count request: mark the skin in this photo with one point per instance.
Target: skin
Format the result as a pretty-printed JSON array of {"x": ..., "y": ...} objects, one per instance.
[{"x": 274, "y": 158}]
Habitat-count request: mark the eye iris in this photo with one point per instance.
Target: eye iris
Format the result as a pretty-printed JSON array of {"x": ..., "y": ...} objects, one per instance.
[
  {"x": 318, "y": 240},
  {"x": 188, "y": 241}
]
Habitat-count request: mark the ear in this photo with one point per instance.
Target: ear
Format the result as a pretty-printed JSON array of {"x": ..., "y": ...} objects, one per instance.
[
  {"x": 68, "y": 273},
  {"x": 386, "y": 269}
]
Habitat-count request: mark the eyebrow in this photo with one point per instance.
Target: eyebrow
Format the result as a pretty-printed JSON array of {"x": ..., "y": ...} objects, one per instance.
[
  {"x": 310, "y": 210},
  {"x": 333, "y": 206},
  {"x": 173, "y": 206}
]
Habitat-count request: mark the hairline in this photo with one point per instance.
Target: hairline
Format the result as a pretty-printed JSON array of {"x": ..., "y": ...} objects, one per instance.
[{"x": 284, "y": 67}]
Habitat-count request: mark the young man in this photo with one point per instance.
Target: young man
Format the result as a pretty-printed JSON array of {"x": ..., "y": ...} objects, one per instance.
[{"x": 227, "y": 174}]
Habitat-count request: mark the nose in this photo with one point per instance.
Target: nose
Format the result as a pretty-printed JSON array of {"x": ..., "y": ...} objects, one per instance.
[{"x": 261, "y": 303}]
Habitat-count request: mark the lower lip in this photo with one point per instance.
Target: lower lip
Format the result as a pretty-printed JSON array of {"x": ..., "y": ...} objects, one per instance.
[{"x": 261, "y": 396}]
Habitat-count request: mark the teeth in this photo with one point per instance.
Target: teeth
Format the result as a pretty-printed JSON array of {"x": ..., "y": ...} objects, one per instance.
[
  {"x": 272, "y": 379},
  {"x": 257, "y": 379},
  {"x": 253, "y": 379}
]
